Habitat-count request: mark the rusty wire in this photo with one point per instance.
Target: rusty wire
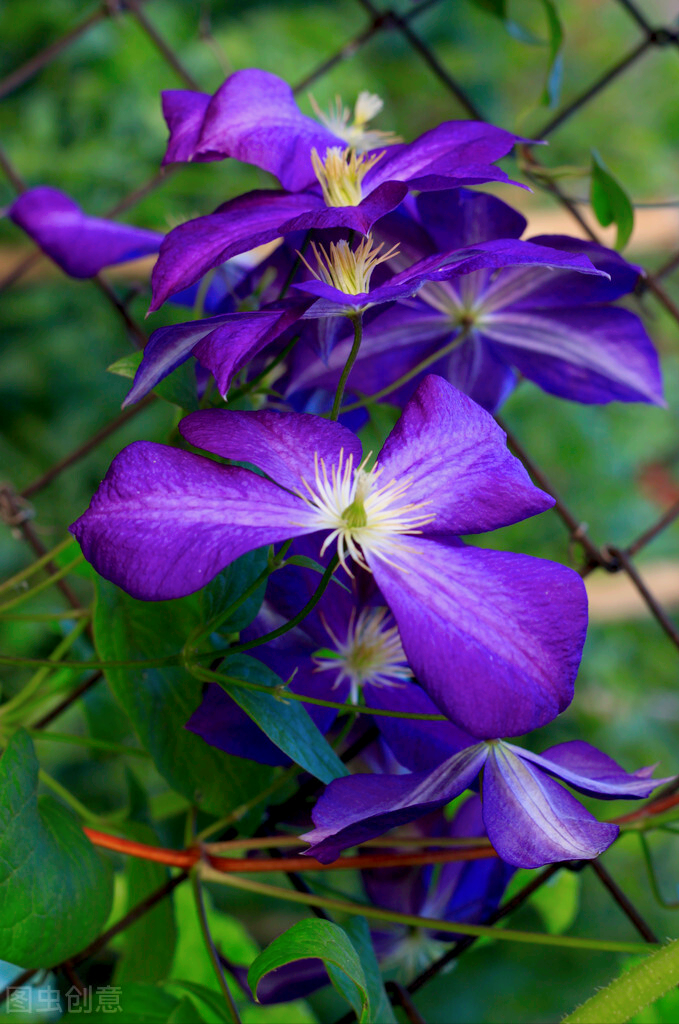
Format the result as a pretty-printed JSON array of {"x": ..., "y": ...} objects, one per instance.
[{"x": 595, "y": 555}]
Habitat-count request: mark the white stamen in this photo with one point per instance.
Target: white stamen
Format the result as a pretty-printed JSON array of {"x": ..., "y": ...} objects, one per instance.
[
  {"x": 372, "y": 653},
  {"x": 356, "y": 135},
  {"x": 364, "y": 518}
]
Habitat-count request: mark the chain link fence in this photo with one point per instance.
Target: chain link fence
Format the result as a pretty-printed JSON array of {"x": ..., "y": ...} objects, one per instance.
[{"x": 592, "y": 554}]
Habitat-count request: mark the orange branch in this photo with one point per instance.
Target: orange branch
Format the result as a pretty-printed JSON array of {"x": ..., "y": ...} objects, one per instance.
[{"x": 188, "y": 858}]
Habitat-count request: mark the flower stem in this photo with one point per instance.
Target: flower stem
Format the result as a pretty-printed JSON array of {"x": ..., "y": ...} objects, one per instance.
[
  {"x": 429, "y": 361},
  {"x": 39, "y": 587},
  {"x": 19, "y": 577},
  {"x": 413, "y": 921},
  {"x": 357, "y": 319},
  {"x": 301, "y": 615},
  {"x": 231, "y": 1007}
]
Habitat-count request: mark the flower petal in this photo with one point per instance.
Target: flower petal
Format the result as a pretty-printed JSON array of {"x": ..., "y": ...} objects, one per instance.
[
  {"x": 164, "y": 522},
  {"x": 461, "y": 217},
  {"x": 457, "y": 463},
  {"x": 360, "y": 807},
  {"x": 80, "y": 245},
  {"x": 254, "y": 117},
  {"x": 531, "y": 820},
  {"x": 594, "y": 354},
  {"x": 193, "y": 248},
  {"x": 184, "y": 112},
  {"x": 281, "y": 444},
  {"x": 494, "y": 638},
  {"x": 592, "y": 772}
]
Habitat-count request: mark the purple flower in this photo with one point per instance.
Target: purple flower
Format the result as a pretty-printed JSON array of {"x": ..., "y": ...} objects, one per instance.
[
  {"x": 340, "y": 286},
  {"x": 332, "y": 181},
  {"x": 494, "y": 638},
  {"x": 556, "y": 328},
  {"x": 530, "y": 819},
  {"x": 80, "y": 245},
  {"x": 347, "y": 647}
]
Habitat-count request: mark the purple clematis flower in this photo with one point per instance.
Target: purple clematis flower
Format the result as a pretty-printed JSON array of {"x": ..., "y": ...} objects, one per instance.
[
  {"x": 530, "y": 819},
  {"x": 556, "y": 328},
  {"x": 331, "y": 181},
  {"x": 494, "y": 638},
  {"x": 340, "y": 286},
  {"x": 348, "y": 647},
  {"x": 80, "y": 245}
]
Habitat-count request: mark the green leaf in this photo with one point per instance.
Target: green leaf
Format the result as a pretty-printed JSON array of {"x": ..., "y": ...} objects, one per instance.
[
  {"x": 185, "y": 1011},
  {"x": 159, "y": 701},
  {"x": 558, "y": 901},
  {"x": 498, "y": 8},
  {"x": 214, "y": 1001},
  {"x": 286, "y": 723},
  {"x": 381, "y": 1009},
  {"x": 552, "y": 89},
  {"x": 635, "y": 989},
  {"x": 55, "y": 888},
  {"x": 610, "y": 202},
  {"x": 225, "y": 588},
  {"x": 179, "y": 387},
  {"x": 148, "y": 944},
  {"x": 320, "y": 940}
]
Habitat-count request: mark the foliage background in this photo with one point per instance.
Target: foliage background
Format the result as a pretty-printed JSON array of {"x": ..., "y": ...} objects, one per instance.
[{"x": 89, "y": 123}]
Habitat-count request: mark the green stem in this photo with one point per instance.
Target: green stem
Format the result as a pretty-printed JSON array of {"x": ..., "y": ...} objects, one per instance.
[
  {"x": 231, "y": 1007},
  {"x": 72, "y": 801},
  {"x": 429, "y": 361},
  {"x": 207, "y": 675},
  {"x": 357, "y": 319},
  {"x": 204, "y": 287},
  {"x": 68, "y": 613},
  {"x": 411, "y": 920},
  {"x": 9, "y": 709},
  {"x": 636, "y": 988},
  {"x": 249, "y": 385},
  {"x": 19, "y": 577},
  {"x": 240, "y": 812},
  {"x": 308, "y": 607},
  {"x": 87, "y": 741},
  {"x": 202, "y": 635},
  {"x": 171, "y": 659},
  {"x": 39, "y": 587},
  {"x": 645, "y": 849}
]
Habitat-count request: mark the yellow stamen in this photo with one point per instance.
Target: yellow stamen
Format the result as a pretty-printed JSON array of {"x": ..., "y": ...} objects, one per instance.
[
  {"x": 341, "y": 173},
  {"x": 349, "y": 270},
  {"x": 372, "y": 652},
  {"x": 356, "y": 135}
]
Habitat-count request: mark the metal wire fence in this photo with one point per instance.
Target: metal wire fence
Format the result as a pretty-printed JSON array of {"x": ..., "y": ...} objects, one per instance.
[{"x": 597, "y": 554}]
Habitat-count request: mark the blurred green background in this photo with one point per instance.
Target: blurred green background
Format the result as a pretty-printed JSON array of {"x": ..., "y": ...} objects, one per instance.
[{"x": 89, "y": 123}]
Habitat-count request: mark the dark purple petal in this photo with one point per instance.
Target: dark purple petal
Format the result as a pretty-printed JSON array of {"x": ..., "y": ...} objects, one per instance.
[
  {"x": 495, "y": 255},
  {"x": 281, "y": 444},
  {"x": 461, "y": 218},
  {"x": 193, "y": 248},
  {"x": 361, "y": 218},
  {"x": 164, "y": 522},
  {"x": 494, "y": 638},
  {"x": 567, "y": 289},
  {"x": 294, "y": 980},
  {"x": 456, "y": 460},
  {"x": 592, "y": 772},
  {"x": 184, "y": 112},
  {"x": 532, "y": 820},
  {"x": 475, "y": 368},
  {"x": 360, "y": 807},
  {"x": 593, "y": 354},
  {"x": 417, "y": 745},
  {"x": 80, "y": 245},
  {"x": 220, "y": 722},
  {"x": 222, "y": 344},
  {"x": 254, "y": 117}
]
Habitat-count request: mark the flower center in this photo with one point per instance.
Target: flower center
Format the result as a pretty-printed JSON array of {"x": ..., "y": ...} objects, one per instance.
[
  {"x": 371, "y": 653},
  {"x": 356, "y": 135},
  {"x": 341, "y": 173},
  {"x": 349, "y": 270},
  {"x": 363, "y": 517}
]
